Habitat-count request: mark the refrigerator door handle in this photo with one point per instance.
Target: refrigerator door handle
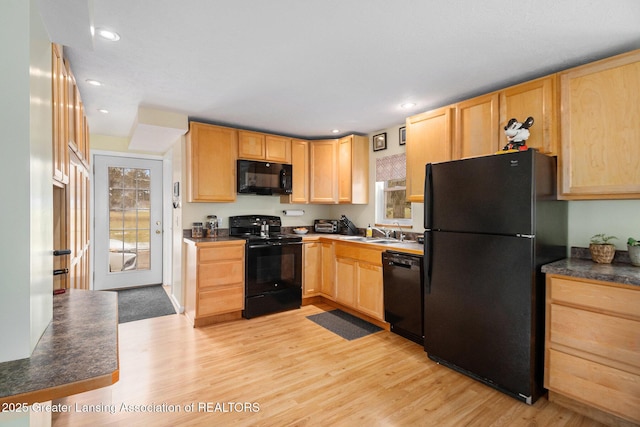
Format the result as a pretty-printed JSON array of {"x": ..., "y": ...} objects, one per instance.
[
  {"x": 428, "y": 199},
  {"x": 427, "y": 259}
]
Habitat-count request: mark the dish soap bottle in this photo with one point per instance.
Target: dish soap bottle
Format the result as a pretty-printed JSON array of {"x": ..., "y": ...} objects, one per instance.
[{"x": 369, "y": 231}]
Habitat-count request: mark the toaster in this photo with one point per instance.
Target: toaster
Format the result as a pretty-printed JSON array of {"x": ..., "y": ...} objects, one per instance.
[{"x": 326, "y": 226}]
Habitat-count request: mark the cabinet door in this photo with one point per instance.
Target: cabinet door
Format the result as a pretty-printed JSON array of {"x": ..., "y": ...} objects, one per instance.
[
  {"x": 600, "y": 129},
  {"x": 539, "y": 100},
  {"x": 323, "y": 171},
  {"x": 370, "y": 290},
  {"x": 477, "y": 126},
  {"x": 300, "y": 167},
  {"x": 312, "y": 269},
  {"x": 277, "y": 149},
  {"x": 251, "y": 145},
  {"x": 346, "y": 276},
  {"x": 428, "y": 140},
  {"x": 60, "y": 151},
  {"x": 328, "y": 270},
  {"x": 211, "y": 157},
  {"x": 344, "y": 169}
]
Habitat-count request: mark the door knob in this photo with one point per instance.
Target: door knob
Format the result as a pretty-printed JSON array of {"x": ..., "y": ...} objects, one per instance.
[{"x": 158, "y": 231}]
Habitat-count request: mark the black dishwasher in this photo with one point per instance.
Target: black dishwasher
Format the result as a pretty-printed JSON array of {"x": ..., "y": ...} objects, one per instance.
[{"x": 403, "y": 294}]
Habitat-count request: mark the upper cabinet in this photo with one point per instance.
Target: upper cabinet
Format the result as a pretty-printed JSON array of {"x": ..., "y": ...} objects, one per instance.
[
  {"x": 600, "y": 129},
  {"x": 477, "y": 132},
  {"x": 353, "y": 170},
  {"x": 300, "y": 171},
  {"x": 538, "y": 99},
  {"x": 339, "y": 170},
  {"x": 480, "y": 121},
  {"x": 261, "y": 146},
  {"x": 211, "y": 163},
  {"x": 323, "y": 171},
  {"x": 429, "y": 138},
  {"x": 59, "y": 100}
]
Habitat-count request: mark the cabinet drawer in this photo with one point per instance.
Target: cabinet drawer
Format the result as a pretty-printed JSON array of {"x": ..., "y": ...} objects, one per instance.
[
  {"x": 599, "y": 297},
  {"x": 222, "y": 300},
  {"x": 354, "y": 251},
  {"x": 221, "y": 253},
  {"x": 595, "y": 333},
  {"x": 220, "y": 273},
  {"x": 603, "y": 387}
]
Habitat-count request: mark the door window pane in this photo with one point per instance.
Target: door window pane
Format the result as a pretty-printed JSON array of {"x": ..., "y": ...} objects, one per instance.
[{"x": 129, "y": 219}]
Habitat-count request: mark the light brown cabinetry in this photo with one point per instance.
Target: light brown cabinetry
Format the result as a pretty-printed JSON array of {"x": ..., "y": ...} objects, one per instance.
[
  {"x": 477, "y": 122},
  {"x": 429, "y": 139},
  {"x": 600, "y": 129},
  {"x": 59, "y": 101},
  {"x": 359, "y": 278},
  {"x": 71, "y": 178},
  {"x": 328, "y": 284},
  {"x": 480, "y": 121},
  {"x": 339, "y": 170},
  {"x": 538, "y": 99},
  {"x": 214, "y": 280},
  {"x": 300, "y": 173},
  {"x": 312, "y": 273},
  {"x": 266, "y": 147},
  {"x": 592, "y": 347},
  {"x": 353, "y": 170},
  {"x": 211, "y": 163},
  {"x": 323, "y": 171}
]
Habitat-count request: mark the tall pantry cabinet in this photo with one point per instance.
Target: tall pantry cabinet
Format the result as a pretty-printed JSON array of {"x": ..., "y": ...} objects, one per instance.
[{"x": 71, "y": 178}]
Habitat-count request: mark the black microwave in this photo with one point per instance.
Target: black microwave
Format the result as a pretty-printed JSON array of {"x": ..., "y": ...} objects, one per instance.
[{"x": 263, "y": 177}]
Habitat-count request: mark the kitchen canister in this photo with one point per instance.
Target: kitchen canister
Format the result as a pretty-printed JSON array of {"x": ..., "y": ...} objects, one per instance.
[{"x": 197, "y": 230}]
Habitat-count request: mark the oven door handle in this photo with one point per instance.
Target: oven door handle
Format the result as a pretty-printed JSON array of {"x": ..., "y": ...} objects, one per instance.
[{"x": 272, "y": 244}]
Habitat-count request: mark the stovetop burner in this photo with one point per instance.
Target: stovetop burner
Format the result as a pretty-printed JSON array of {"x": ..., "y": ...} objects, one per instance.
[{"x": 260, "y": 228}]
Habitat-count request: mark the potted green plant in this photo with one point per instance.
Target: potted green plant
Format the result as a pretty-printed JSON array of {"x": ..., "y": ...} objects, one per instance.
[
  {"x": 601, "y": 250},
  {"x": 633, "y": 246}
]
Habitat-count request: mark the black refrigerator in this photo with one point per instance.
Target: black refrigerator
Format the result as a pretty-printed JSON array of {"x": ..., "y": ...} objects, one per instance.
[{"x": 490, "y": 224}]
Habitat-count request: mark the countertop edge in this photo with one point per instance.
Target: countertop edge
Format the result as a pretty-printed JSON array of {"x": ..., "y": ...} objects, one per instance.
[
  {"x": 586, "y": 269},
  {"x": 50, "y": 372}
]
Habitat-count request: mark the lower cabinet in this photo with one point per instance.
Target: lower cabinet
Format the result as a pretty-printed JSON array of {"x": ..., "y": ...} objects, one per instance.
[
  {"x": 359, "y": 279},
  {"x": 312, "y": 271},
  {"x": 592, "y": 348},
  {"x": 328, "y": 282},
  {"x": 214, "y": 280}
]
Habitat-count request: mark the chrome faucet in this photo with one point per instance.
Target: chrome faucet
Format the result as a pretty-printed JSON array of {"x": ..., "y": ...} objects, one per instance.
[
  {"x": 401, "y": 236},
  {"x": 383, "y": 231}
]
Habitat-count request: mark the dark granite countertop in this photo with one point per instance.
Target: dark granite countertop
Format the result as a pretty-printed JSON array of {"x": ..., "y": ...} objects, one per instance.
[
  {"x": 197, "y": 240},
  {"x": 77, "y": 352},
  {"x": 580, "y": 265}
]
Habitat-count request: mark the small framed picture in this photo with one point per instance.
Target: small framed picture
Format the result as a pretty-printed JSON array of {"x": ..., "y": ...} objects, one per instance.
[
  {"x": 403, "y": 135},
  {"x": 380, "y": 142}
]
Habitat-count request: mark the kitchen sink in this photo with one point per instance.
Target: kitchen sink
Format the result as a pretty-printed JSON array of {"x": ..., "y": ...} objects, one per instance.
[
  {"x": 383, "y": 241},
  {"x": 355, "y": 238}
]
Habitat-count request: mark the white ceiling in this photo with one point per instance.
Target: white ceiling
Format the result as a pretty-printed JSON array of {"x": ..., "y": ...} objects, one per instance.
[{"x": 305, "y": 67}]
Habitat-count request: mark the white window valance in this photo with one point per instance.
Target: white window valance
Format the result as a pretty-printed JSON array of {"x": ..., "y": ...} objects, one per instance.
[{"x": 391, "y": 167}]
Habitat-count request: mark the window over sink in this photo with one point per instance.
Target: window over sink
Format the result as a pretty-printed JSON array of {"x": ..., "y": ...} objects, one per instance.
[{"x": 392, "y": 206}]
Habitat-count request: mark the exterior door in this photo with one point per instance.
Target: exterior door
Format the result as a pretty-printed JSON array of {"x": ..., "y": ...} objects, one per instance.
[{"x": 128, "y": 222}]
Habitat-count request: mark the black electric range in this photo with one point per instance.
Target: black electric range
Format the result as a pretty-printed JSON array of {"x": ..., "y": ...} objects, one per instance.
[{"x": 273, "y": 264}]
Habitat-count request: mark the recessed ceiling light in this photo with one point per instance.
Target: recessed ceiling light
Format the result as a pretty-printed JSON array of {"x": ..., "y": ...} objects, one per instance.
[
  {"x": 335, "y": 131},
  {"x": 108, "y": 34},
  {"x": 408, "y": 105},
  {"x": 93, "y": 82},
  {"x": 103, "y": 111}
]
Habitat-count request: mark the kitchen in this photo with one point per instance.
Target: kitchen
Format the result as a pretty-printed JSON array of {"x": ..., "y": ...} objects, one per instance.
[{"x": 584, "y": 216}]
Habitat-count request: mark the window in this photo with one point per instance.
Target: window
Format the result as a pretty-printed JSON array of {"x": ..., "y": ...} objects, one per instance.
[{"x": 391, "y": 204}]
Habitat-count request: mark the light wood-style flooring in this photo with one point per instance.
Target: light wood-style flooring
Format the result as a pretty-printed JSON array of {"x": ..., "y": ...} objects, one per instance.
[{"x": 285, "y": 370}]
